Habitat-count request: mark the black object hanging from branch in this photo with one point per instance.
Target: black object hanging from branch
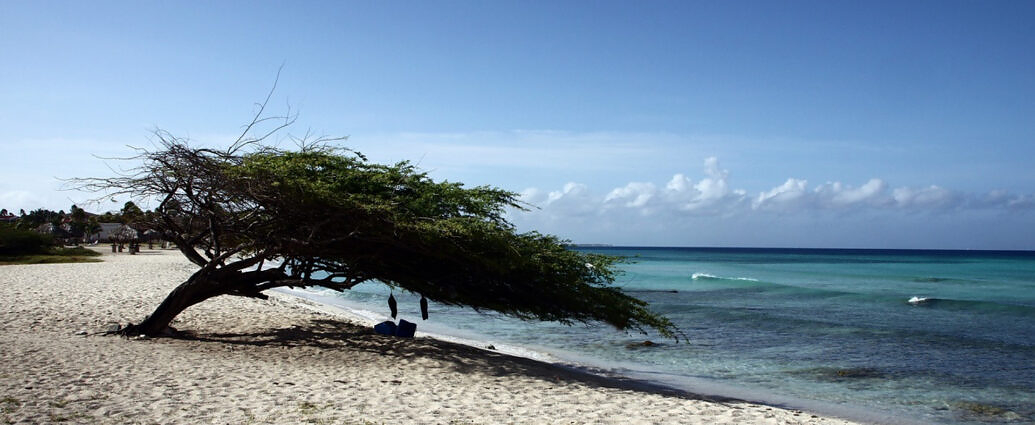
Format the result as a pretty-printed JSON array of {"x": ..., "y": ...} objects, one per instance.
[
  {"x": 423, "y": 307},
  {"x": 392, "y": 306}
]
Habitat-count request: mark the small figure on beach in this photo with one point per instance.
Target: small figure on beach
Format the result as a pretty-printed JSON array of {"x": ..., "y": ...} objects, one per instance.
[
  {"x": 423, "y": 307},
  {"x": 392, "y": 305}
]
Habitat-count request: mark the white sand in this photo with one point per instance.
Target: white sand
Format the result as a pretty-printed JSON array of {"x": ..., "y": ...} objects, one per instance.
[{"x": 276, "y": 361}]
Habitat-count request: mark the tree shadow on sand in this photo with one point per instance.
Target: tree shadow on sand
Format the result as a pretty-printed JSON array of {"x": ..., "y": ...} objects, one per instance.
[{"x": 326, "y": 334}]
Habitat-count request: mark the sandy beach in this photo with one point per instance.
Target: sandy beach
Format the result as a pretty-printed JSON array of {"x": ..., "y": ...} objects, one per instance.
[{"x": 281, "y": 362}]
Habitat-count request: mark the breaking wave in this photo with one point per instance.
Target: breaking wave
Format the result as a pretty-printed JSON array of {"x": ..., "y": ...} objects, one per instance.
[{"x": 706, "y": 276}]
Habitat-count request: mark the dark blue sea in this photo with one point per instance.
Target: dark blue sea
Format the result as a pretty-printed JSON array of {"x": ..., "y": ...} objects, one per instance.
[{"x": 831, "y": 331}]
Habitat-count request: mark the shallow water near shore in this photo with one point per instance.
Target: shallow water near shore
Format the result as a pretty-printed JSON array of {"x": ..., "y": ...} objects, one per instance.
[{"x": 825, "y": 330}]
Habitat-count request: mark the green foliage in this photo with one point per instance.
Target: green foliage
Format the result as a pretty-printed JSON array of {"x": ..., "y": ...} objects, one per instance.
[
  {"x": 335, "y": 179},
  {"x": 110, "y": 217},
  {"x": 449, "y": 243},
  {"x": 332, "y": 219},
  {"x": 92, "y": 226},
  {"x": 28, "y": 247},
  {"x": 77, "y": 251},
  {"x": 37, "y": 217},
  {"x": 131, "y": 213},
  {"x": 77, "y": 215},
  {"x": 78, "y": 222},
  {"x": 14, "y": 241}
]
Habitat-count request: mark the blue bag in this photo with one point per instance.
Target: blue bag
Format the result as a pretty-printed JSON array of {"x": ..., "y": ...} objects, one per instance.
[
  {"x": 385, "y": 328},
  {"x": 406, "y": 329}
]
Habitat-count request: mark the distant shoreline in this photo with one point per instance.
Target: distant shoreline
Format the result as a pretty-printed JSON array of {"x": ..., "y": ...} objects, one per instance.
[{"x": 847, "y": 251}]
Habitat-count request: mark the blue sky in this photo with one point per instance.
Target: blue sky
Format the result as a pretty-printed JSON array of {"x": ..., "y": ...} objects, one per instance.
[{"x": 794, "y": 124}]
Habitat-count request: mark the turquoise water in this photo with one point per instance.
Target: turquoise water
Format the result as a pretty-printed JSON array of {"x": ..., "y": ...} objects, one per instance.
[{"x": 826, "y": 330}]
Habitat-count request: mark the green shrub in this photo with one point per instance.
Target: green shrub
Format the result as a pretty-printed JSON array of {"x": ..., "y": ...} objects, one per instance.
[
  {"x": 75, "y": 252},
  {"x": 23, "y": 242}
]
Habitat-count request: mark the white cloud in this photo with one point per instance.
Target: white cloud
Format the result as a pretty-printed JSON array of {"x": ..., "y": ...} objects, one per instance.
[
  {"x": 709, "y": 196},
  {"x": 573, "y": 200},
  {"x": 633, "y": 195},
  {"x": 679, "y": 183},
  {"x": 571, "y": 190},
  {"x": 841, "y": 195},
  {"x": 713, "y": 196},
  {"x": 532, "y": 196},
  {"x": 931, "y": 197},
  {"x": 1022, "y": 202},
  {"x": 788, "y": 195},
  {"x": 711, "y": 168}
]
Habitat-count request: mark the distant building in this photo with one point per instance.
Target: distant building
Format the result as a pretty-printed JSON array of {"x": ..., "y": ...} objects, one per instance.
[{"x": 107, "y": 229}]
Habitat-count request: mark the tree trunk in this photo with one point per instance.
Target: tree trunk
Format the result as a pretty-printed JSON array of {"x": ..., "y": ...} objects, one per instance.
[
  {"x": 202, "y": 285},
  {"x": 193, "y": 291}
]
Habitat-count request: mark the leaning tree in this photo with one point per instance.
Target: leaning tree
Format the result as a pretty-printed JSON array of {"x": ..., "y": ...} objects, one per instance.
[{"x": 254, "y": 217}]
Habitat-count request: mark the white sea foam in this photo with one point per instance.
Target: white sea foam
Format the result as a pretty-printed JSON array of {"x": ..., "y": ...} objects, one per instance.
[
  {"x": 918, "y": 300},
  {"x": 701, "y": 276}
]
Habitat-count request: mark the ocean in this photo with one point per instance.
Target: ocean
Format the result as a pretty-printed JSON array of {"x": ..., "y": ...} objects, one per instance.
[{"x": 830, "y": 331}]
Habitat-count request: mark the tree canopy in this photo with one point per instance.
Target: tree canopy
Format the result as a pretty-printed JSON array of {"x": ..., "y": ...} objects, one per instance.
[{"x": 255, "y": 217}]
